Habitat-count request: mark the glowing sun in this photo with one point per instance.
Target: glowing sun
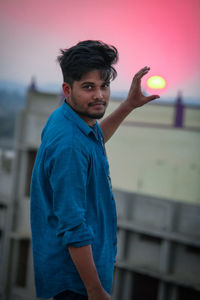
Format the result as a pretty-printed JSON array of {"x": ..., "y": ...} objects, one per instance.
[{"x": 156, "y": 82}]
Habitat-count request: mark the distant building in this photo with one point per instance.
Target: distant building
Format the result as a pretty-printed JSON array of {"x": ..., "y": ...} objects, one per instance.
[{"x": 156, "y": 153}]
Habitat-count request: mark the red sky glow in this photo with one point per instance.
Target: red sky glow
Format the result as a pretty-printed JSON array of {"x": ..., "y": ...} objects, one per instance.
[{"x": 164, "y": 35}]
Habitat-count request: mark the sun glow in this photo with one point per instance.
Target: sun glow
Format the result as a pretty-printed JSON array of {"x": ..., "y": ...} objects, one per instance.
[{"x": 156, "y": 82}]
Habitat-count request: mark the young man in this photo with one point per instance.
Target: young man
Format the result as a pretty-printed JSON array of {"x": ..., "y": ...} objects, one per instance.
[{"x": 73, "y": 214}]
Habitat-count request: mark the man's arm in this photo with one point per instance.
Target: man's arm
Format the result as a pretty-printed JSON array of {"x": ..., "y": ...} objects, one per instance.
[
  {"x": 83, "y": 260},
  {"x": 135, "y": 99},
  {"x": 69, "y": 208}
]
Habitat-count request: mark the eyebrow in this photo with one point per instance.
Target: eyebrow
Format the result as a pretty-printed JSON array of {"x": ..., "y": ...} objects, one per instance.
[
  {"x": 92, "y": 83},
  {"x": 87, "y": 82}
]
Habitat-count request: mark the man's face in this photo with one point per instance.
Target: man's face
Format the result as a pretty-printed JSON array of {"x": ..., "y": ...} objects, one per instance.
[{"x": 89, "y": 96}]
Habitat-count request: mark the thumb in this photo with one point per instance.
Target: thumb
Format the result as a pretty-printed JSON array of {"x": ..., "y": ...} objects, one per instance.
[{"x": 153, "y": 97}]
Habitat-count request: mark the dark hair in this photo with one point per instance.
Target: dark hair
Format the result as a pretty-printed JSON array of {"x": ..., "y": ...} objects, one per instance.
[{"x": 87, "y": 56}]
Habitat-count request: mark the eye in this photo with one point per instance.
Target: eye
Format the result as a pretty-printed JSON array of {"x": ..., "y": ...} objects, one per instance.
[
  {"x": 88, "y": 87},
  {"x": 106, "y": 85}
]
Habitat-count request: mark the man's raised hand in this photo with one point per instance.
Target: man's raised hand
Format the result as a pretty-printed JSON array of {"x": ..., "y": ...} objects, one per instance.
[{"x": 135, "y": 96}]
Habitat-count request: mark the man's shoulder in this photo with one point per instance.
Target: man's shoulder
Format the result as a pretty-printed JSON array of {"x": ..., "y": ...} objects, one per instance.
[
  {"x": 64, "y": 134},
  {"x": 58, "y": 126}
]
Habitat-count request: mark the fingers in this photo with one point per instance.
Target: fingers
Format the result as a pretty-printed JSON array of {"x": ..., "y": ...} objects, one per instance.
[{"x": 141, "y": 73}]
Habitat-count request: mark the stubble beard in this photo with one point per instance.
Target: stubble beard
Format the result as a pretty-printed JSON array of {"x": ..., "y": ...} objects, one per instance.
[
  {"x": 87, "y": 114},
  {"x": 90, "y": 115}
]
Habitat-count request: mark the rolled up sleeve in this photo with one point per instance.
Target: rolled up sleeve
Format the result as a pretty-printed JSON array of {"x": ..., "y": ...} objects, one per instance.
[{"x": 67, "y": 171}]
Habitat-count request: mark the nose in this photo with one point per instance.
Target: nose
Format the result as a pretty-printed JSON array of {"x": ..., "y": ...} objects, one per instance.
[{"x": 98, "y": 94}]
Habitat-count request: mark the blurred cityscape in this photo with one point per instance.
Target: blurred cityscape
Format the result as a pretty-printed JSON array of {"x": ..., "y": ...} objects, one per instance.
[{"x": 155, "y": 169}]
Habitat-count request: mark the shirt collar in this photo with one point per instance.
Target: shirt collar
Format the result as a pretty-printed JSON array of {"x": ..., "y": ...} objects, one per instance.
[{"x": 70, "y": 114}]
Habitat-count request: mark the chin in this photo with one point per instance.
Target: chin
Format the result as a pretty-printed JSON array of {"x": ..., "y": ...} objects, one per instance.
[{"x": 97, "y": 115}]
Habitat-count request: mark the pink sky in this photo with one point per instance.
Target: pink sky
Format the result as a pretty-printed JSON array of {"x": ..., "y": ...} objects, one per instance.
[{"x": 164, "y": 35}]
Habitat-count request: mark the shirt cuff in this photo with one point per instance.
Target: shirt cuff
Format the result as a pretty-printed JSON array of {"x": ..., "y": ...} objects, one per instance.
[{"x": 80, "y": 236}]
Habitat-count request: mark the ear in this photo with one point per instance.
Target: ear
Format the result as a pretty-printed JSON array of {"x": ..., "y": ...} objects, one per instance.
[{"x": 66, "y": 89}]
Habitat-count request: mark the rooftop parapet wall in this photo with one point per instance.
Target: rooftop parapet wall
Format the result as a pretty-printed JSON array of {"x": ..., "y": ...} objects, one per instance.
[{"x": 157, "y": 239}]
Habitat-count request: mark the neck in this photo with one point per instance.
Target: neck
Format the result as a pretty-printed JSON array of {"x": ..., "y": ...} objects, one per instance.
[{"x": 89, "y": 122}]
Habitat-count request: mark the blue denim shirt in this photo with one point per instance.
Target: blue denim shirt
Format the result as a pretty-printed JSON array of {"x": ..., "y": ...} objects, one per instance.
[{"x": 71, "y": 204}]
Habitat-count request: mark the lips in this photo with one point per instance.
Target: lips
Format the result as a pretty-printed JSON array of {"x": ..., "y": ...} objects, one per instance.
[{"x": 99, "y": 103}]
